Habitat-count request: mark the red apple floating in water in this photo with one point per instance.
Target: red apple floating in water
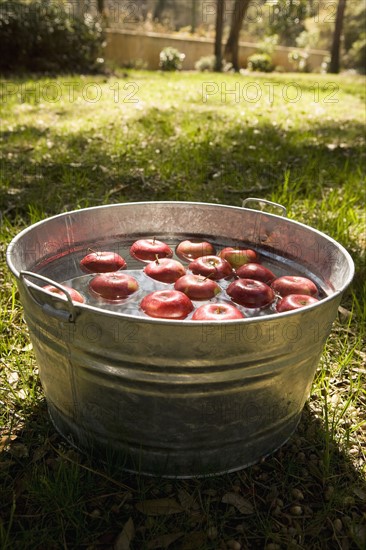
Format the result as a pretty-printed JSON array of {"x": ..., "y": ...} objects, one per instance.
[
  {"x": 217, "y": 312},
  {"x": 250, "y": 293},
  {"x": 113, "y": 286},
  {"x": 295, "y": 301},
  {"x": 197, "y": 287},
  {"x": 211, "y": 266},
  {"x": 192, "y": 249},
  {"x": 146, "y": 250},
  {"x": 257, "y": 272},
  {"x": 289, "y": 284},
  {"x": 167, "y": 304},
  {"x": 74, "y": 294},
  {"x": 238, "y": 256},
  {"x": 165, "y": 270},
  {"x": 102, "y": 262}
]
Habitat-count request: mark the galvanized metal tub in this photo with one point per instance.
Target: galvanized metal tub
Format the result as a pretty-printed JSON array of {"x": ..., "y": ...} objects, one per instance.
[{"x": 175, "y": 398}]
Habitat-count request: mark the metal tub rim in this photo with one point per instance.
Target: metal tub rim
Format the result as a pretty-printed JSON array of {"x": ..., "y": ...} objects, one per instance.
[{"x": 114, "y": 314}]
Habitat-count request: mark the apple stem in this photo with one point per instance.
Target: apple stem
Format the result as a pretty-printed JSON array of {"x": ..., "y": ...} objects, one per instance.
[
  {"x": 154, "y": 239},
  {"x": 157, "y": 259},
  {"x": 207, "y": 277}
]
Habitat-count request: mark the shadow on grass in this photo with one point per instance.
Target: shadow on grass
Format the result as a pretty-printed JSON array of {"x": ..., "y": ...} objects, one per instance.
[
  {"x": 152, "y": 163},
  {"x": 306, "y": 495}
]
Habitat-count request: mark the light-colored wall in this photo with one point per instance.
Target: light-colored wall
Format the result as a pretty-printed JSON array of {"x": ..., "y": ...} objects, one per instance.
[{"x": 125, "y": 47}]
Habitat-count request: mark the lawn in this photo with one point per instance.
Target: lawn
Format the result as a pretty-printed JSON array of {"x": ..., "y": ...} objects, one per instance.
[{"x": 72, "y": 142}]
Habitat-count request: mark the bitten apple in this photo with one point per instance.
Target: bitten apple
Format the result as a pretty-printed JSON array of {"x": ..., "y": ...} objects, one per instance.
[
  {"x": 102, "y": 262},
  {"x": 289, "y": 284},
  {"x": 295, "y": 301},
  {"x": 197, "y": 287},
  {"x": 257, "y": 272},
  {"x": 113, "y": 286},
  {"x": 217, "y": 312},
  {"x": 74, "y": 294},
  {"x": 250, "y": 293},
  {"x": 191, "y": 249},
  {"x": 165, "y": 270},
  {"x": 146, "y": 250},
  {"x": 167, "y": 304},
  {"x": 238, "y": 256},
  {"x": 211, "y": 266}
]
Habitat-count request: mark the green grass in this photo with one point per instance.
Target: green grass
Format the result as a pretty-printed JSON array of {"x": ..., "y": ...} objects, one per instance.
[{"x": 170, "y": 144}]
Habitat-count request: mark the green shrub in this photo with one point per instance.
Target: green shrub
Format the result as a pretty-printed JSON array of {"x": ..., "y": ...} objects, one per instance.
[
  {"x": 171, "y": 59},
  {"x": 260, "y": 62},
  {"x": 43, "y": 36},
  {"x": 299, "y": 60},
  {"x": 268, "y": 44},
  {"x": 138, "y": 64},
  {"x": 356, "y": 56},
  {"x": 208, "y": 64}
]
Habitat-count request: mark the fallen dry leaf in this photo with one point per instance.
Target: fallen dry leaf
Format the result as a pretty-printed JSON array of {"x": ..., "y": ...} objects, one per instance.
[
  {"x": 240, "y": 503},
  {"x": 358, "y": 531},
  {"x": 187, "y": 501},
  {"x": 21, "y": 394},
  {"x": 159, "y": 507},
  {"x": 360, "y": 493},
  {"x": 13, "y": 378},
  {"x": 28, "y": 347},
  {"x": 5, "y": 440},
  {"x": 40, "y": 452},
  {"x": 19, "y": 450},
  {"x": 126, "y": 536}
]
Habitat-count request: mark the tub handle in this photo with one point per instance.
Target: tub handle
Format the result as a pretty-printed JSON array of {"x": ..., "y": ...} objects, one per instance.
[
  {"x": 60, "y": 314},
  {"x": 283, "y": 209}
]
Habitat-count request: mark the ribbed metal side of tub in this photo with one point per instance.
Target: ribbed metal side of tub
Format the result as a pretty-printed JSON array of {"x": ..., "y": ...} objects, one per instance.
[{"x": 178, "y": 400}]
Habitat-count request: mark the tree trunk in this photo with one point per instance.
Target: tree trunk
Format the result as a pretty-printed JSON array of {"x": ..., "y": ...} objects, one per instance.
[
  {"x": 100, "y": 6},
  {"x": 232, "y": 44},
  {"x": 220, "y": 4},
  {"x": 336, "y": 45},
  {"x": 193, "y": 16},
  {"x": 159, "y": 8}
]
